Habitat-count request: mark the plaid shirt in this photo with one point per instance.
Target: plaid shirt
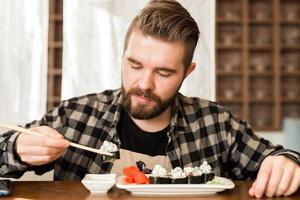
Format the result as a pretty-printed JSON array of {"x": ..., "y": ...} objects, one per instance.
[{"x": 199, "y": 130}]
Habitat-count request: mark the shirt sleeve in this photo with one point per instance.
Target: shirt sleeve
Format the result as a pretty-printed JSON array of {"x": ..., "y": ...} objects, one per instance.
[
  {"x": 10, "y": 164},
  {"x": 249, "y": 150}
]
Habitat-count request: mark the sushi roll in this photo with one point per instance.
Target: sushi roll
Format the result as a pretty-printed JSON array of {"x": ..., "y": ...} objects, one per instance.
[
  {"x": 159, "y": 175},
  {"x": 177, "y": 176},
  {"x": 110, "y": 148},
  {"x": 207, "y": 172},
  {"x": 194, "y": 175}
]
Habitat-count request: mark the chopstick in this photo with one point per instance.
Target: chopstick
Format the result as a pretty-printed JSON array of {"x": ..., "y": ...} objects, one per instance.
[{"x": 30, "y": 132}]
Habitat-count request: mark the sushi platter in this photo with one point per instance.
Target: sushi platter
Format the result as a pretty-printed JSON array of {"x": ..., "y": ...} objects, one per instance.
[
  {"x": 175, "y": 189},
  {"x": 139, "y": 180}
]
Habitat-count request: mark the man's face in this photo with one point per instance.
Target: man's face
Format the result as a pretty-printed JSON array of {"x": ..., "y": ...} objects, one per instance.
[{"x": 152, "y": 72}]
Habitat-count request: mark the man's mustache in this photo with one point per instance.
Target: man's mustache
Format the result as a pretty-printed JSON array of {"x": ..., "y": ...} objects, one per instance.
[{"x": 144, "y": 93}]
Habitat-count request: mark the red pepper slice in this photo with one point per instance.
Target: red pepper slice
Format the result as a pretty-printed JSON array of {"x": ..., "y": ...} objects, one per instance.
[{"x": 133, "y": 175}]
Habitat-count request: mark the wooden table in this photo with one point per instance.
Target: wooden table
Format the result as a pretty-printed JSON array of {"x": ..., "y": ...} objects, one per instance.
[{"x": 74, "y": 190}]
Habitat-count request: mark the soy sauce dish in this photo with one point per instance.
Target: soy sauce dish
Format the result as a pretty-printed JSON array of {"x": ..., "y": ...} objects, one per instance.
[{"x": 99, "y": 183}]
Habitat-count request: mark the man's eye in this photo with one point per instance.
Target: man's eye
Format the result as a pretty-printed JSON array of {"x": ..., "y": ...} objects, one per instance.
[
  {"x": 164, "y": 73},
  {"x": 136, "y": 67}
]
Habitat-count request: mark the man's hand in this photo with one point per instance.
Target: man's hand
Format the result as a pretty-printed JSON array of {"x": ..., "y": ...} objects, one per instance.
[
  {"x": 278, "y": 175},
  {"x": 39, "y": 150}
]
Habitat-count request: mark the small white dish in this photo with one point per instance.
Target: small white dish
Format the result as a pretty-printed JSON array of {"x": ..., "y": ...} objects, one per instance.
[
  {"x": 99, "y": 183},
  {"x": 174, "y": 189}
]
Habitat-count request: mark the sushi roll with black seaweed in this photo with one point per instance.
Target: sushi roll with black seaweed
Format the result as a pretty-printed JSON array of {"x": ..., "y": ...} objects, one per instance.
[
  {"x": 110, "y": 147},
  {"x": 194, "y": 175},
  {"x": 159, "y": 175},
  {"x": 207, "y": 172},
  {"x": 178, "y": 176}
]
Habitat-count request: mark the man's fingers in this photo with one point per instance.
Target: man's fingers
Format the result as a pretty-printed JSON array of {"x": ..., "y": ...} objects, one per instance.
[
  {"x": 39, "y": 151},
  {"x": 286, "y": 180},
  {"x": 294, "y": 184},
  {"x": 263, "y": 177},
  {"x": 43, "y": 141},
  {"x": 47, "y": 131},
  {"x": 251, "y": 190},
  {"x": 276, "y": 176},
  {"x": 40, "y": 160}
]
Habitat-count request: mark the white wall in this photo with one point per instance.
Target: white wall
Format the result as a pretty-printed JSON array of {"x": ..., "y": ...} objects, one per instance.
[
  {"x": 23, "y": 59},
  {"x": 276, "y": 137}
]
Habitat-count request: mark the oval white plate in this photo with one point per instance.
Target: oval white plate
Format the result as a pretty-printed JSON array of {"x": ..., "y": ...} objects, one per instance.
[{"x": 175, "y": 189}]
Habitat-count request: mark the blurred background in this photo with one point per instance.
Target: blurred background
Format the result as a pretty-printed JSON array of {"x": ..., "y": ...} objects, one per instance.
[
  {"x": 248, "y": 57},
  {"x": 258, "y": 65}
]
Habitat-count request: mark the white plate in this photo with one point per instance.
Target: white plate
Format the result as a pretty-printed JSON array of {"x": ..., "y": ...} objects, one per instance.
[
  {"x": 99, "y": 183},
  {"x": 175, "y": 189}
]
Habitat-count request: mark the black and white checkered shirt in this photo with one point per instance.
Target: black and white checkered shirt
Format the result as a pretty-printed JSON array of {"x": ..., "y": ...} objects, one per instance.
[{"x": 199, "y": 130}]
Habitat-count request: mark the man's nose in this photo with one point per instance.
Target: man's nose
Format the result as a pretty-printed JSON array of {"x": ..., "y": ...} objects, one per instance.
[{"x": 147, "y": 81}]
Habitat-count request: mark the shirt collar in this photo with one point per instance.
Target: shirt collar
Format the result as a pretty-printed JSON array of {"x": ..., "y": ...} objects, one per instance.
[{"x": 178, "y": 119}]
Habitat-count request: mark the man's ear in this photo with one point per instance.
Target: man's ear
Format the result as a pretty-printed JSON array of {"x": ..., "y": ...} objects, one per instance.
[{"x": 190, "y": 69}]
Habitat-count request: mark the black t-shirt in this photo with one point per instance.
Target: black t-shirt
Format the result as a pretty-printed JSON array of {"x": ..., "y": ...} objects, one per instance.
[{"x": 136, "y": 140}]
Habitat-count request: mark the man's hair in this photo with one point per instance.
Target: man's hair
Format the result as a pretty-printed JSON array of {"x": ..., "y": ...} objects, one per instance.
[{"x": 169, "y": 21}]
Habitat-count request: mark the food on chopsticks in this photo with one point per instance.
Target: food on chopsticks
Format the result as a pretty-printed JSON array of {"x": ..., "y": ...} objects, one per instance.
[
  {"x": 72, "y": 144},
  {"x": 110, "y": 147},
  {"x": 159, "y": 175}
]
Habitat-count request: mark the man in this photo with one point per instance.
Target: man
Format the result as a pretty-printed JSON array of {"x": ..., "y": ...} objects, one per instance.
[{"x": 149, "y": 120}]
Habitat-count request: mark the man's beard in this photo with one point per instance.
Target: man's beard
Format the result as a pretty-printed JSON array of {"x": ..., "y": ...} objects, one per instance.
[{"x": 143, "y": 111}]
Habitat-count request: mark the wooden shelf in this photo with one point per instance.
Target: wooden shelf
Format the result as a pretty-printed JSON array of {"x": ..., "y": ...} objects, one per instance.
[
  {"x": 291, "y": 47},
  {"x": 260, "y": 47},
  {"x": 261, "y": 101},
  {"x": 54, "y": 99},
  {"x": 229, "y": 21},
  {"x": 261, "y": 21},
  {"x": 291, "y": 100},
  {"x": 55, "y": 47},
  {"x": 229, "y": 47},
  {"x": 228, "y": 100},
  {"x": 290, "y": 22},
  {"x": 226, "y": 73},
  {"x": 56, "y": 44},
  {"x": 269, "y": 46},
  {"x": 265, "y": 128},
  {"x": 54, "y": 71},
  {"x": 56, "y": 17},
  {"x": 290, "y": 74},
  {"x": 261, "y": 74}
]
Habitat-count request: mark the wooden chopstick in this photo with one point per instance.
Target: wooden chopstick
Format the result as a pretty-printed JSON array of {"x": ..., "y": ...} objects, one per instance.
[{"x": 30, "y": 132}]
